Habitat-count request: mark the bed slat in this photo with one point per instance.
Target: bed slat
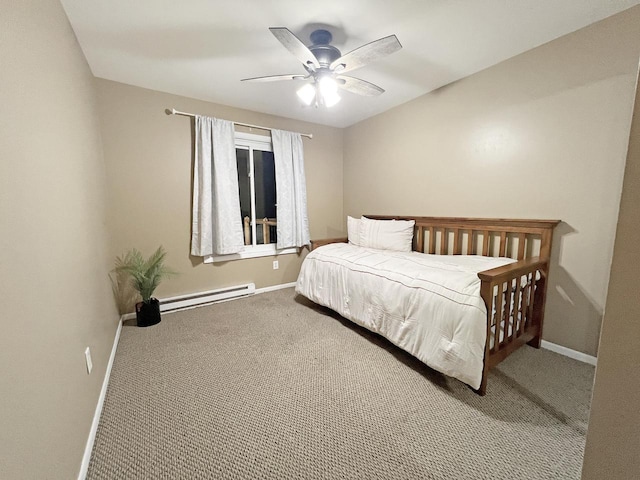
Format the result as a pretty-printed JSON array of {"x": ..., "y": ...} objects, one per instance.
[
  {"x": 508, "y": 329},
  {"x": 420, "y": 239},
  {"x": 457, "y": 244},
  {"x": 432, "y": 240},
  {"x": 517, "y": 320},
  {"x": 532, "y": 290},
  {"x": 471, "y": 242},
  {"x": 498, "y": 305},
  {"x": 503, "y": 244},
  {"x": 521, "y": 240}
]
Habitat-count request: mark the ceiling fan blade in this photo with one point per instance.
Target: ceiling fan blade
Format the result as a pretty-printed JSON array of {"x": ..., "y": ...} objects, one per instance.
[
  {"x": 274, "y": 78},
  {"x": 358, "y": 86},
  {"x": 367, "y": 53},
  {"x": 295, "y": 46}
]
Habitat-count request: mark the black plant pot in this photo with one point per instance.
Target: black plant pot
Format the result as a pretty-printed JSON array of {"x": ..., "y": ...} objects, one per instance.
[{"x": 148, "y": 313}]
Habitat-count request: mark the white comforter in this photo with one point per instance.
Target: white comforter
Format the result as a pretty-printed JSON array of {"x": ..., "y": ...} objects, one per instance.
[{"x": 428, "y": 305}]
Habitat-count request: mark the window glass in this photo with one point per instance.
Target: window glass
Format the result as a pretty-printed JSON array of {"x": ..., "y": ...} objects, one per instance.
[
  {"x": 265, "y": 194},
  {"x": 244, "y": 188}
]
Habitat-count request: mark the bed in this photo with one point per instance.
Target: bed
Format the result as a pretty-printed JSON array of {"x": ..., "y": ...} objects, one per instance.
[{"x": 460, "y": 294}]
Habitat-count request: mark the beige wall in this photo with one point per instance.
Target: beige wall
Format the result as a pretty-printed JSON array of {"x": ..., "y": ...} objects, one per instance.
[
  {"x": 149, "y": 168},
  {"x": 542, "y": 135},
  {"x": 53, "y": 245},
  {"x": 613, "y": 441},
  {"x": 547, "y": 116}
]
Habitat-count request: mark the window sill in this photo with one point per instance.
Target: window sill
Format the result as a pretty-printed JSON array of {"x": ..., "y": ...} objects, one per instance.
[{"x": 251, "y": 252}]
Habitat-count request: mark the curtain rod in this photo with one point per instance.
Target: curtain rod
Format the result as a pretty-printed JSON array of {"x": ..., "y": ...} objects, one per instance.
[{"x": 173, "y": 111}]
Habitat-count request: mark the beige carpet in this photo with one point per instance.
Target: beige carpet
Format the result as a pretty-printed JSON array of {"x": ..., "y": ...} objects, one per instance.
[{"x": 273, "y": 387}]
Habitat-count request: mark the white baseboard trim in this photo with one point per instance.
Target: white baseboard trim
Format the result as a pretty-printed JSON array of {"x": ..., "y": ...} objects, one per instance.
[
  {"x": 96, "y": 416},
  {"x": 567, "y": 352},
  {"x": 275, "y": 287}
]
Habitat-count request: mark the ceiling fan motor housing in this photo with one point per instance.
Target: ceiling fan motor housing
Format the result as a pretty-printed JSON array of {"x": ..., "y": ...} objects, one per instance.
[{"x": 321, "y": 49}]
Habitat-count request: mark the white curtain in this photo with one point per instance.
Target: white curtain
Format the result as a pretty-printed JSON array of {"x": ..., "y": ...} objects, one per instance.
[
  {"x": 291, "y": 191},
  {"x": 217, "y": 224}
]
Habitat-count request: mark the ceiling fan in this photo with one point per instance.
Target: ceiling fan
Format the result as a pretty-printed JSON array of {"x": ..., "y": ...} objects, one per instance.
[{"x": 326, "y": 66}]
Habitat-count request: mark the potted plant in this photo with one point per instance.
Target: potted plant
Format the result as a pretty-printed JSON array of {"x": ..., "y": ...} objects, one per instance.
[{"x": 146, "y": 275}]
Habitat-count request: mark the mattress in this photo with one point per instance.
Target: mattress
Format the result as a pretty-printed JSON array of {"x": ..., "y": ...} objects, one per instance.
[{"x": 428, "y": 305}]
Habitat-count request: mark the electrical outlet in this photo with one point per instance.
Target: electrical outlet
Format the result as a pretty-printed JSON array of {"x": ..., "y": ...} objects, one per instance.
[
  {"x": 276, "y": 265},
  {"x": 87, "y": 356}
]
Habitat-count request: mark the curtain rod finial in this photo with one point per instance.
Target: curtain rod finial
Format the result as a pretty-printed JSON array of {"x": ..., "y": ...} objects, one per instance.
[{"x": 169, "y": 112}]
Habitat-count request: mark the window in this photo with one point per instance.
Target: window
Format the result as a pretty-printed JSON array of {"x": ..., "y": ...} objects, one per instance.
[{"x": 257, "y": 190}]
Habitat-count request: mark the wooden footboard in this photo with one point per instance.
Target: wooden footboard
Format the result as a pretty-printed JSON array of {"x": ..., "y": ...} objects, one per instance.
[{"x": 514, "y": 296}]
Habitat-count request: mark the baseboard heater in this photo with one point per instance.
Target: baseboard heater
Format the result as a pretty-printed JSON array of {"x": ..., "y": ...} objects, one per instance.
[{"x": 195, "y": 299}]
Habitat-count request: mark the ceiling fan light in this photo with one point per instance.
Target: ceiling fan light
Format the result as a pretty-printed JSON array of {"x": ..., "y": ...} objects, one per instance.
[
  {"x": 307, "y": 93},
  {"x": 330, "y": 98},
  {"x": 328, "y": 91},
  {"x": 327, "y": 85}
]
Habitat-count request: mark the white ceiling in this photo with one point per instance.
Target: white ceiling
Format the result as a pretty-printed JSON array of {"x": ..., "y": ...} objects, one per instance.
[{"x": 202, "y": 48}]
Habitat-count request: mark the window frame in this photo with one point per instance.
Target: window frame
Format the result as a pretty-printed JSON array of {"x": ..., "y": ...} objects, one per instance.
[{"x": 259, "y": 142}]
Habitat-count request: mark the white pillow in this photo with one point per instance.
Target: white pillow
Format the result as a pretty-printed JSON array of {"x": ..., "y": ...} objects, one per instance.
[
  {"x": 353, "y": 230},
  {"x": 386, "y": 234}
]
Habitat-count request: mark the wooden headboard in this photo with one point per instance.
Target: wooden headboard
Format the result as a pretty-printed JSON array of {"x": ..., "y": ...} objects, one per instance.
[{"x": 494, "y": 237}]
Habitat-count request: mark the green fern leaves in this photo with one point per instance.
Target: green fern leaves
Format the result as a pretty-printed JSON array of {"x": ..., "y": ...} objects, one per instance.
[{"x": 146, "y": 274}]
